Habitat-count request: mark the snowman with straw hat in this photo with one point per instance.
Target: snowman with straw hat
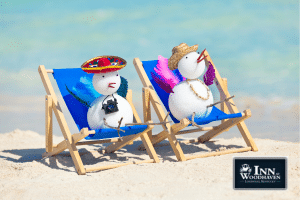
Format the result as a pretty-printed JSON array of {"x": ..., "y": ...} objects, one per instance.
[{"x": 189, "y": 96}]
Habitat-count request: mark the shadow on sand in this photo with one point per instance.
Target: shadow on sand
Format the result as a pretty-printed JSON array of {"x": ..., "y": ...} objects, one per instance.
[{"x": 164, "y": 151}]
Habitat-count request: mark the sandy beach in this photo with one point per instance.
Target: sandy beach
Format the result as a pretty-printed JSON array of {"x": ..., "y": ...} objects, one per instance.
[
  {"x": 24, "y": 174},
  {"x": 252, "y": 45}
]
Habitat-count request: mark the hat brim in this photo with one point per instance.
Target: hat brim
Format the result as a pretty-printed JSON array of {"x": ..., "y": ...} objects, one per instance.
[
  {"x": 103, "y": 69},
  {"x": 86, "y": 66},
  {"x": 174, "y": 59}
]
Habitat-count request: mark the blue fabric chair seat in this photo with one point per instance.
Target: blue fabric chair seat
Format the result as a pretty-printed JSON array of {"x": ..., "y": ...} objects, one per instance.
[
  {"x": 80, "y": 83},
  {"x": 112, "y": 133},
  {"x": 215, "y": 115}
]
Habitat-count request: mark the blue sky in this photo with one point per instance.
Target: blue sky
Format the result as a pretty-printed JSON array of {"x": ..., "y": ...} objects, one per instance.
[{"x": 255, "y": 44}]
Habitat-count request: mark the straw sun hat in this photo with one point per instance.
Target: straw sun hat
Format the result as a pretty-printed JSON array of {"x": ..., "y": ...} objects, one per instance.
[
  {"x": 178, "y": 52},
  {"x": 103, "y": 64}
]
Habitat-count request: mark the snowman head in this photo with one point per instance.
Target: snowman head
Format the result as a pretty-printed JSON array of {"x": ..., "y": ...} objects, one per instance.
[
  {"x": 107, "y": 83},
  {"x": 190, "y": 67}
]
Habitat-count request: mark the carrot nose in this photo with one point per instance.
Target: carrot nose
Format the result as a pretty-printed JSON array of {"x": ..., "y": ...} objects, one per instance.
[
  {"x": 199, "y": 59},
  {"x": 110, "y": 85}
]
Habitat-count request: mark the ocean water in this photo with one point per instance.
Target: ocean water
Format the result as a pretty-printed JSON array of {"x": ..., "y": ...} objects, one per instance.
[{"x": 255, "y": 45}]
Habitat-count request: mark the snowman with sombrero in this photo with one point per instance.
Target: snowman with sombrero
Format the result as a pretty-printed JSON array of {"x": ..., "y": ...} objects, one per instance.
[{"x": 110, "y": 109}]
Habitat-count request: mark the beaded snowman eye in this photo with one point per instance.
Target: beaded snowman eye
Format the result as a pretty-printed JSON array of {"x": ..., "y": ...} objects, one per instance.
[
  {"x": 186, "y": 57},
  {"x": 103, "y": 76},
  {"x": 117, "y": 74}
]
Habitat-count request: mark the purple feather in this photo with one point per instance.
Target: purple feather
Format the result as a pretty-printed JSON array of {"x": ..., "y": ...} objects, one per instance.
[
  {"x": 162, "y": 84},
  {"x": 163, "y": 76},
  {"x": 209, "y": 76}
]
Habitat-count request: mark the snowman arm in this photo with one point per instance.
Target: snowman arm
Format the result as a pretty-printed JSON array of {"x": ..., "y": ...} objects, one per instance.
[
  {"x": 78, "y": 98},
  {"x": 210, "y": 75}
]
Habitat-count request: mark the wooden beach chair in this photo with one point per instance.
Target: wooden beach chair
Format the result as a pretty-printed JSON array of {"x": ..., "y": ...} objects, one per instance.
[
  {"x": 67, "y": 79},
  {"x": 152, "y": 94}
]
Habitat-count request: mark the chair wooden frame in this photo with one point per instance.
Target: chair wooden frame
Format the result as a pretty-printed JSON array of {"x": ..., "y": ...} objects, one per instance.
[
  {"x": 71, "y": 141},
  {"x": 170, "y": 131}
]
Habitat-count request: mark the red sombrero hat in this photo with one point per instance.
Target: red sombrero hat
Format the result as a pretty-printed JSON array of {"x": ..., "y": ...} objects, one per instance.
[{"x": 103, "y": 64}]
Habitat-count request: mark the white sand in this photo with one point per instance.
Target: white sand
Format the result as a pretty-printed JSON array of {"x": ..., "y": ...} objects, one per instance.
[{"x": 202, "y": 178}]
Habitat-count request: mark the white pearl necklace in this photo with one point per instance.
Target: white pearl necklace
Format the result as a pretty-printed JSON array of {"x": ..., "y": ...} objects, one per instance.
[{"x": 187, "y": 80}]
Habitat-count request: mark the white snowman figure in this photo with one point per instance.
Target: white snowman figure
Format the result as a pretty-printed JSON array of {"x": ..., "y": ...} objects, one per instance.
[
  {"x": 109, "y": 107},
  {"x": 191, "y": 95}
]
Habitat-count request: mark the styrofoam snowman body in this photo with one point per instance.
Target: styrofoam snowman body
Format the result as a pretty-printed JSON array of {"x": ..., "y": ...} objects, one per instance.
[
  {"x": 107, "y": 84},
  {"x": 183, "y": 102}
]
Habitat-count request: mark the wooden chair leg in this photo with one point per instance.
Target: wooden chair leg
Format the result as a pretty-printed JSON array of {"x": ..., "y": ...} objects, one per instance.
[
  {"x": 149, "y": 147},
  {"x": 61, "y": 121},
  {"x": 223, "y": 105},
  {"x": 176, "y": 147},
  {"x": 118, "y": 145},
  {"x": 147, "y": 108},
  {"x": 167, "y": 133},
  {"x": 247, "y": 136},
  {"x": 174, "y": 142},
  {"x": 74, "y": 152},
  {"x": 49, "y": 123},
  {"x": 76, "y": 159},
  {"x": 63, "y": 145},
  {"x": 224, "y": 126},
  {"x": 136, "y": 117},
  {"x": 56, "y": 150},
  {"x": 126, "y": 140}
]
